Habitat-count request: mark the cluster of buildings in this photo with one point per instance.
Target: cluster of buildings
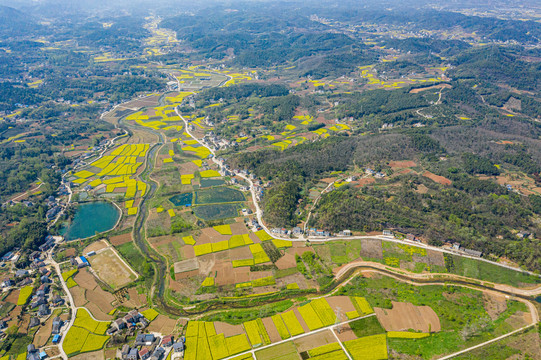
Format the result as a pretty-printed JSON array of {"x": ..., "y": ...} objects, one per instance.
[
  {"x": 79, "y": 261},
  {"x": 216, "y": 142},
  {"x": 130, "y": 321},
  {"x": 255, "y": 225},
  {"x": 34, "y": 354},
  {"x": 149, "y": 346},
  {"x": 376, "y": 174},
  {"x": 459, "y": 248},
  {"x": 54, "y": 208}
]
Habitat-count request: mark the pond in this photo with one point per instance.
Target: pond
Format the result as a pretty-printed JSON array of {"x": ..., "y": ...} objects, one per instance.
[
  {"x": 91, "y": 218},
  {"x": 218, "y": 195},
  {"x": 216, "y": 212},
  {"x": 184, "y": 199}
]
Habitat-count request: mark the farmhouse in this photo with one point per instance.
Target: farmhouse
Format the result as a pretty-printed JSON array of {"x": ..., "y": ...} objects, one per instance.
[
  {"x": 144, "y": 339},
  {"x": 144, "y": 354},
  {"x": 132, "y": 355},
  {"x": 178, "y": 347},
  {"x": 167, "y": 340},
  {"x": 57, "y": 324},
  {"x": 473, "y": 252}
]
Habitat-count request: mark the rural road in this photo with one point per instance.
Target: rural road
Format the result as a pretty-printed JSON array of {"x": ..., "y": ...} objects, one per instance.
[{"x": 73, "y": 309}]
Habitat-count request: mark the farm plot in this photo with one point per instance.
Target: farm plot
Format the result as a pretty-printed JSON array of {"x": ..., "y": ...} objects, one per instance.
[
  {"x": 406, "y": 316},
  {"x": 284, "y": 351},
  {"x": 218, "y": 195},
  {"x": 217, "y": 212},
  {"x": 204, "y": 343},
  {"x": 85, "y": 335},
  {"x": 368, "y": 348},
  {"x": 111, "y": 269},
  {"x": 24, "y": 295},
  {"x": 184, "y": 199}
]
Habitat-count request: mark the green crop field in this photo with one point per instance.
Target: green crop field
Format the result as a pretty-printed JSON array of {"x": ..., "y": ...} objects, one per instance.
[
  {"x": 485, "y": 271},
  {"x": 216, "y": 212},
  {"x": 218, "y": 195}
]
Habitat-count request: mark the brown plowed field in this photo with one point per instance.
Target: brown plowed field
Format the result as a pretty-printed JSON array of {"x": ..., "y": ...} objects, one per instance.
[
  {"x": 404, "y": 316},
  {"x": 312, "y": 341},
  {"x": 402, "y": 164},
  {"x": 287, "y": 261},
  {"x": 371, "y": 248},
  {"x": 436, "y": 178},
  {"x": 227, "y": 329},
  {"x": 121, "y": 239},
  {"x": 271, "y": 330}
]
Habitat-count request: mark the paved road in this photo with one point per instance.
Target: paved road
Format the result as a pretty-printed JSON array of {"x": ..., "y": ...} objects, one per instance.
[{"x": 65, "y": 330}]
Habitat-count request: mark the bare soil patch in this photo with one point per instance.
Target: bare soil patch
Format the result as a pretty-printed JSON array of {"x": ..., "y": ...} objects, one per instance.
[
  {"x": 97, "y": 312},
  {"x": 300, "y": 250},
  {"x": 402, "y": 164},
  {"x": 436, "y": 178},
  {"x": 52, "y": 352},
  {"x": 285, "y": 262},
  {"x": 240, "y": 253},
  {"x": 111, "y": 269},
  {"x": 186, "y": 275},
  {"x": 271, "y": 330},
  {"x": 227, "y": 329},
  {"x": 371, "y": 248},
  {"x": 241, "y": 275},
  {"x": 163, "y": 325},
  {"x": 213, "y": 235},
  {"x": 78, "y": 294},
  {"x": 404, "y": 316},
  {"x": 239, "y": 228},
  {"x": 435, "y": 258},
  {"x": 260, "y": 274},
  {"x": 346, "y": 333},
  {"x": 309, "y": 342},
  {"x": 13, "y": 296},
  {"x": 187, "y": 252},
  {"x": 341, "y": 304},
  {"x": 206, "y": 263},
  {"x": 224, "y": 273},
  {"x": 85, "y": 279},
  {"x": 519, "y": 319},
  {"x": 96, "y": 246},
  {"x": 101, "y": 298},
  {"x": 186, "y": 265},
  {"x": 96, "y": 355},
  {"x": 301, "y": 320},
  {"x": 121, "y": 239},
  {"x": 136, "y": 299},
  {"x": 439, "y": 86},
  {"x": 71, "y": 252},
  {"x": 297, "y": 278}
]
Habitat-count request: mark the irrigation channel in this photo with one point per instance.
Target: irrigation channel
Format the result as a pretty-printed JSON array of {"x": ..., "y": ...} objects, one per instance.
[{"x": 138, "y": 227}]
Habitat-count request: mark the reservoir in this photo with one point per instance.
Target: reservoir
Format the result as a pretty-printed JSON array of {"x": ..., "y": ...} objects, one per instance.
[{"x": 91, "y": 218}]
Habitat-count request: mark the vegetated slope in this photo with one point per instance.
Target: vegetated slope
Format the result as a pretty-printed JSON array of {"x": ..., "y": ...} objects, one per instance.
[
  {"x": 498, "y": 65},
  {"x": 254, "y": 40},
  {"x": 15, "y": 23},
  {"x": 491, "y": 28},
  {"x": 479, "y": 214}
]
